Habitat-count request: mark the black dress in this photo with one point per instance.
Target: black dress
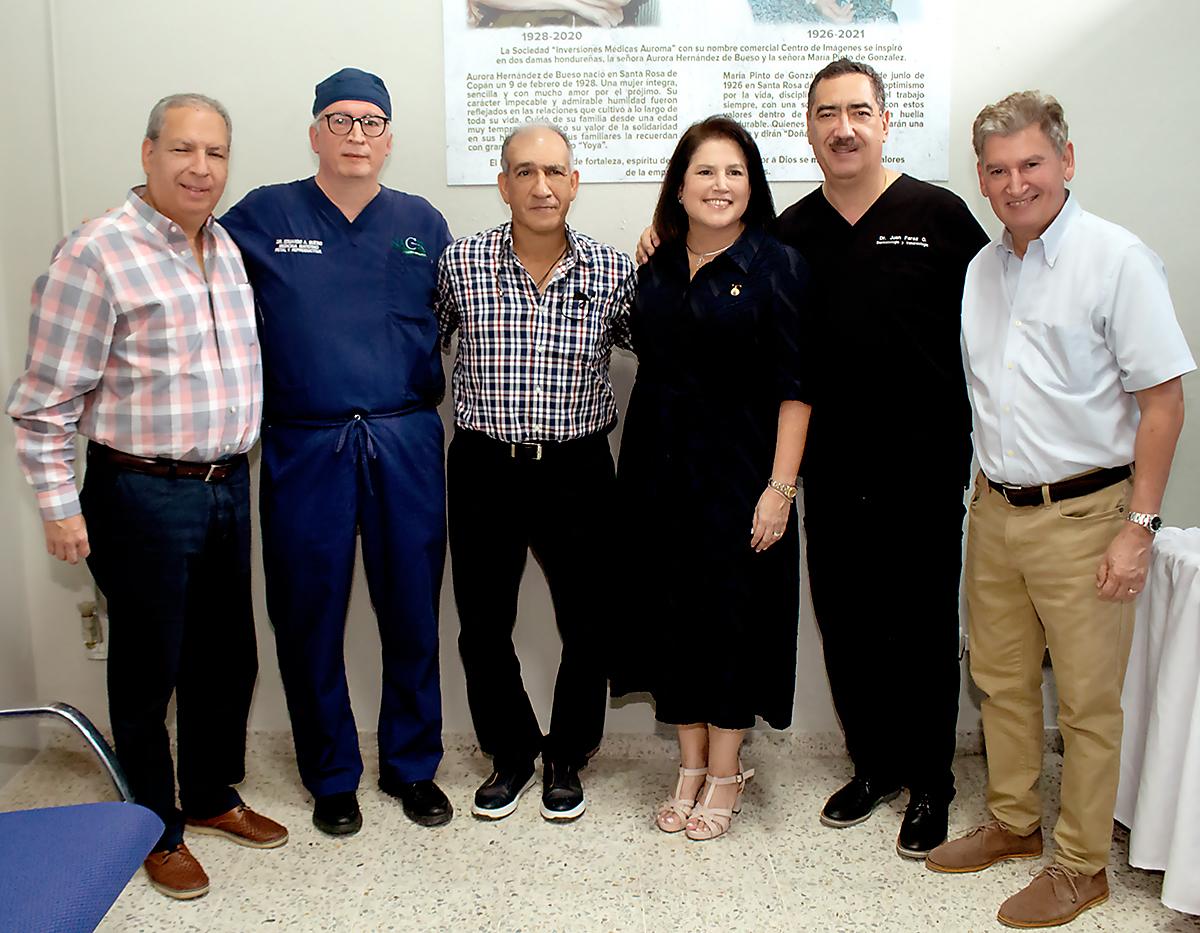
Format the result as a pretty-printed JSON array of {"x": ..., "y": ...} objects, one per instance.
[{"x": 712, "y": 625}]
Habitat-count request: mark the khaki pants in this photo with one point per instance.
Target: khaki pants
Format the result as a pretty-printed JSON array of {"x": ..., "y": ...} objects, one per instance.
[{"x": 1031, "y": 584}]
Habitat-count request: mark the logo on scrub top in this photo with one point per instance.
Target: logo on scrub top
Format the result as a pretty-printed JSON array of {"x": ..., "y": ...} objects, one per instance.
[{"x": 411, "y": 246}]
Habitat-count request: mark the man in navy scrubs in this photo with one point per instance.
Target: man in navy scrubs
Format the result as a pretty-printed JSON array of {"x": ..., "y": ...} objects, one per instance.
[{"x": 344, "y": 273}]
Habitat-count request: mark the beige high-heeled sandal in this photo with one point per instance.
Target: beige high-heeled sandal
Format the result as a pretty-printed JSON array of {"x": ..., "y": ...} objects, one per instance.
[
  {"x": 712, "y": 822},
  {"x": 672, "y": 815}
]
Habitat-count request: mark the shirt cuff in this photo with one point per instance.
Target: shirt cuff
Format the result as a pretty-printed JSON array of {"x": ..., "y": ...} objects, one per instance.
[{"x": 59, "y": 502}]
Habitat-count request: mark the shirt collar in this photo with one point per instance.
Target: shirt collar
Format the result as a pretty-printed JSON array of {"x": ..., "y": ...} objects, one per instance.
[
  {"x": 577, "y": 249},
  {"x": 745, "y": 247},
  {"x": 137, "y": 205},
  {"x": 1052, "y": 237}
]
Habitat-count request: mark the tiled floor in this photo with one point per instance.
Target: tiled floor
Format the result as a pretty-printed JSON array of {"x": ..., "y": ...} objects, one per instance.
[{"x": 778, "y": 869}]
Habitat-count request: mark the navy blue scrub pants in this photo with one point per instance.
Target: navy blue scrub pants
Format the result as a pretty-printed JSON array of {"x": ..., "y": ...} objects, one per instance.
[
  {"x": 172, "y": 557},
  {"x": 380, "y": 477},
  {"x": 560, "y": 507}
]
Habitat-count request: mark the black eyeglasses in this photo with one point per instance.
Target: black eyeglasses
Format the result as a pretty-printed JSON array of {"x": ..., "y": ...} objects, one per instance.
[{"x": 341, "y": 124}]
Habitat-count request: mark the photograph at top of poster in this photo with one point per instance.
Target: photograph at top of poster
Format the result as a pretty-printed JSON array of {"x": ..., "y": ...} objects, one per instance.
[{"x": 624, "y": 78}]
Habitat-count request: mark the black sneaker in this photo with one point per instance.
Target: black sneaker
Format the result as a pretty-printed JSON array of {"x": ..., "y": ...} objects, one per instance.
[
  {"x": 337, "y": 814},
  {"x": 855, "y": 802},
  {"x": 562, "y": 792},
  {"x": 499, "y": 795},
  {"x": 924, "y": 828}
]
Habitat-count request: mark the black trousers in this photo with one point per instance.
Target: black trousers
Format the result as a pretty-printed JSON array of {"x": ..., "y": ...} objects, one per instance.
[
  {"x": 561, "y": 508},
  {"x": 172, "y": 557},
  {"x": 884, "y": 566}
]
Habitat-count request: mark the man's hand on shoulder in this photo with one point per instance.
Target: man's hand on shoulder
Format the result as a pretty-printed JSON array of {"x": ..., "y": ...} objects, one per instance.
[
  {"x": 647, "y": 244},
  {"x": 67, "y": 539},
  {"x": 1122, "y": 571}
]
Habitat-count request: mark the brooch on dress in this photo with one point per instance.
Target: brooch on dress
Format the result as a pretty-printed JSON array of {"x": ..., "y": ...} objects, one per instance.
[{"x": 736, "y": 290}]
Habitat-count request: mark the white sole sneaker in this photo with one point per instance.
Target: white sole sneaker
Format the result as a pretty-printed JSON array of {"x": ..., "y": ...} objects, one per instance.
[
  {"x": 573, "y": 814},
  {"x": 499, "y": 813}
]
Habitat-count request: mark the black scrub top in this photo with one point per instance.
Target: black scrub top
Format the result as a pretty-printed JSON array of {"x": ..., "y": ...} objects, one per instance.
[{"x": 889, "y": 396}]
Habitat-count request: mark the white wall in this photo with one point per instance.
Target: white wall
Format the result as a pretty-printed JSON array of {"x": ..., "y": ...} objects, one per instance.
[
  {"x": 1122, "y": 71},
  {"x": 24, "y": 220}
]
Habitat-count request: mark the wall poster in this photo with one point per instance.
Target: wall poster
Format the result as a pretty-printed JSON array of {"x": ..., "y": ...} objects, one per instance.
[{"x": 624, "y": 78}]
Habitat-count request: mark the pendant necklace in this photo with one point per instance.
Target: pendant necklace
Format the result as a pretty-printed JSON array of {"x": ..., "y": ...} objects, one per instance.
[
  {"x": 702, "y": 258},
  {"x": 553, "y": 266}
]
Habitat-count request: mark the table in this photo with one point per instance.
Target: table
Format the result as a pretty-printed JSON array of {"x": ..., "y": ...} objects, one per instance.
[{"x": 1159, "y": 794}]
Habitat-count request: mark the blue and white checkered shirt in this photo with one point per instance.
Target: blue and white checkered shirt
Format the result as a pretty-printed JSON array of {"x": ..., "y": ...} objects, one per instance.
[{"x": 530, "y": 366}]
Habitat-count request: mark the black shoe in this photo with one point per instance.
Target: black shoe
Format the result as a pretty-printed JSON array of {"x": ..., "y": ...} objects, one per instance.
[
  {"x": 337, "y": 814},
  {"x": 499, "y": 795},
  {"x": 423, "y": 801},
  {"x": 562, "y": 792},
  {"x": 924, "y": 827},
  {"x": 854, "y": 803}
]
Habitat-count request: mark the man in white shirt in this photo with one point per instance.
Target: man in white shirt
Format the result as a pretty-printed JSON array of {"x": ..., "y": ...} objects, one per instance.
[{"x": 1073, "y": 360}]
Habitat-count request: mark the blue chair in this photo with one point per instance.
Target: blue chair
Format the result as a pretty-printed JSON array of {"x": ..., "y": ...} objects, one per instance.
[{"x": 61, "y": 868}]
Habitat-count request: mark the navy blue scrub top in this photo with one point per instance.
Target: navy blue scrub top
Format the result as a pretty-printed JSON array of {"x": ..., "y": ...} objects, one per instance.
[{"x": 345, "y": 310}]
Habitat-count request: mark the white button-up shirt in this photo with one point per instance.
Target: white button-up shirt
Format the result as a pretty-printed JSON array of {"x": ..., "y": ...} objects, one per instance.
[{"x": 1055, "y": 343}]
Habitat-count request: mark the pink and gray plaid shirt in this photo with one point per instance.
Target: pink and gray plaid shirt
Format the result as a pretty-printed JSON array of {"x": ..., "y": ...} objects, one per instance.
[{"x": 131, "y": 346}]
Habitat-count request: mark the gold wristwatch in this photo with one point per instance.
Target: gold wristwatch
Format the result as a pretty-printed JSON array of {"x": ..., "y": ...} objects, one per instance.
[{"x": 788, "y": 492}]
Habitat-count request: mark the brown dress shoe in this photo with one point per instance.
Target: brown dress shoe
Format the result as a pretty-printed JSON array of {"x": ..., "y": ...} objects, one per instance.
[
  {"x": 983, "y": 847},
  {"x": 176, "y": 873},
  {"x": 243, "y": 826},
  {"x": 1055, "y": 896}
]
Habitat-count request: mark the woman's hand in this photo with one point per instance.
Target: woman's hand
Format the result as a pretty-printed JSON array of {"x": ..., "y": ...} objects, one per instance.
[{"x": 770, "y": 519}]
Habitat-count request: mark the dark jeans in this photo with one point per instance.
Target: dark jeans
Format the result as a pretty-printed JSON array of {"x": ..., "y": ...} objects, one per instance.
[
  {"x": 560, "y": 507},
  {"x": 884, "y": 565},
  {"x": 172, "y": 557}
]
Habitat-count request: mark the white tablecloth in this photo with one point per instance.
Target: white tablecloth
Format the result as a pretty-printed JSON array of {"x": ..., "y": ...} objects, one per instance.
[{"x": 1159, "y": 795}]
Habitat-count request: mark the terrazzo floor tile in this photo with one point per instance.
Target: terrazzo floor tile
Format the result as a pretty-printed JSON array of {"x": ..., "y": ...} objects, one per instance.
[
  {"x": 700, "y": 905},
  {"x": 611, "y": 871}
]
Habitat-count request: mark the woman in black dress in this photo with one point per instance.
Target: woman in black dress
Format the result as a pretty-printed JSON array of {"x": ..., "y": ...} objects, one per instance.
[{"x": 707, "y": 470}]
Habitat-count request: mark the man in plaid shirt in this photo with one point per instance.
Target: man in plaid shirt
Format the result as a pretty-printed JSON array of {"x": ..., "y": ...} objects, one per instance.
[
  {"x": 538, "y": 308},
  {"x": 143, "y": 339}
]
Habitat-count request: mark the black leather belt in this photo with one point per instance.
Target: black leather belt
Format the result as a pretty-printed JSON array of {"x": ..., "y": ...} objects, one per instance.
[
  {"x": 1071, "y": 488},
  {"x": 528, "y": 450},
  {"x": 216, "y": 472}
]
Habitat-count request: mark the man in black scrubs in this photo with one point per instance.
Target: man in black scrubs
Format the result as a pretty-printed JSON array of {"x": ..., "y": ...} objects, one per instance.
[
  {"x": 888, "y": 456},
  {"x": 888, "y": 452}
]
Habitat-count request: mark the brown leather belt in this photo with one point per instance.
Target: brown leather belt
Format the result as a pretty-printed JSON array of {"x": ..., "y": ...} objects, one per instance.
[
  {"x": 1071, "y": 488},
  {"x": 216, "y": 472}
]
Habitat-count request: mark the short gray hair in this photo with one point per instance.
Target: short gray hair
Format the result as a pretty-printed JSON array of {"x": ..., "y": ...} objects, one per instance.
[
  {"x": 1015, "y": 113},
  {"x": 158, "y": 114},
  {"x": 535, "y": 125}
]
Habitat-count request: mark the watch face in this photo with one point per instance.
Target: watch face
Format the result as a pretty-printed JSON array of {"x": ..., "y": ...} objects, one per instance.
[{"x": 1155, "y": 523}]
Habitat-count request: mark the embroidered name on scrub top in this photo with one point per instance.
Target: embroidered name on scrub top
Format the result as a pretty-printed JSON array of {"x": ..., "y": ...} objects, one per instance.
[
  {"x": 899, "y": 239},
  {"x": 294, "y": 245}
]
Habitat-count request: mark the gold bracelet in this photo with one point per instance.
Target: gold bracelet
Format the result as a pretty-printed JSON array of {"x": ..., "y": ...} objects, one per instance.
[{"x": 787, "y": 491}]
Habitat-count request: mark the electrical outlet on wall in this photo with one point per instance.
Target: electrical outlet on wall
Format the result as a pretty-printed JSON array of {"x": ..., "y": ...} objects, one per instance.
[{"x": 93, "y": 617}]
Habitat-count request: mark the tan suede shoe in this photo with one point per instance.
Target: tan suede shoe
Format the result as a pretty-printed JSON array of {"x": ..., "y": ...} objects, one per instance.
[
  {"x": 1055, "y": 896},
  {"x": 983, "y": 847},
  {"x": 176, "y": 873},
  {"x": 243, "y": 826}
]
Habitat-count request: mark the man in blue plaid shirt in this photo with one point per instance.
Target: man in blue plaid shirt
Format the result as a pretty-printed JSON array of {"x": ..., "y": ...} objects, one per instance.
[{"x": 538, "y": 308}]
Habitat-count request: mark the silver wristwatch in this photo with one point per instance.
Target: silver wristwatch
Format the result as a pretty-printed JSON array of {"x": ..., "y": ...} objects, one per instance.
[{"x": 1150, "y": 522}]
